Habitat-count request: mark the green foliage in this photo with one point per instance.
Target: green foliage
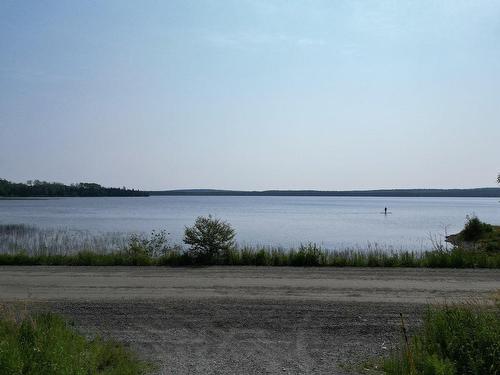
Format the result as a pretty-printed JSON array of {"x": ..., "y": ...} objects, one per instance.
[
  {"x": 45, "y": 345},
  {"x": 474, "y": 229},
  {"x": 210, "y": 240},
  {"x": 454, "y": 340}
]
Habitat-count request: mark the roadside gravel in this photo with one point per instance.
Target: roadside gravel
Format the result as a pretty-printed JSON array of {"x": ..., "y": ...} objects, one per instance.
[{"x": 245, "y": 320}]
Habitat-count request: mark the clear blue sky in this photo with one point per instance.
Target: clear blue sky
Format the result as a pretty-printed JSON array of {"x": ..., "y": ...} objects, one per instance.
[{"x": 251, "y": 94}]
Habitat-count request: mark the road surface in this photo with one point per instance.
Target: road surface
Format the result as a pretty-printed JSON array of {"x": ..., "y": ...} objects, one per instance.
[{"x": 245, "y": 320}]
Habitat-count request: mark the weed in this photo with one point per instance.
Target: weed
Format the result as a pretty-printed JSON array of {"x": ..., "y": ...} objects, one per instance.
[
  {"x": 44, "y": 344},
  {"x": 454, "y": 340}
]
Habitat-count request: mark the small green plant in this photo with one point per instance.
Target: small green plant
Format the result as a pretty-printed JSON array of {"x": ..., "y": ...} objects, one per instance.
[
  {"x": 454, "y": 340},
  {"x": 156, "y": 245},
  {"x": 307, "y": 256},
  {"x": 44, "y": 344},
  {"x": 210, "y": 240}
]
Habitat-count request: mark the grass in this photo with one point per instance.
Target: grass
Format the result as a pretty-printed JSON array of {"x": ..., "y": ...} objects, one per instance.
[
  {"x": 20, "y": 237},
  {"x": 454, "y": 340},
  {"x": 44, "y": 344},
  {"x": 83, "y": 258},
  {"x": 304, "y": 256}
]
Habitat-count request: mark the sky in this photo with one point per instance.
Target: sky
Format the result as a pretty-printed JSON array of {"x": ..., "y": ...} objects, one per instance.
[{"x": 251, "y": 94}]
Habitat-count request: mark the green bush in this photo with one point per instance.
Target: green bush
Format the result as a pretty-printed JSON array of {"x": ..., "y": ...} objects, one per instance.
[
  {"x": 45, "y": 345},
  {"x": 474, "y": 229},
  {"x": 454, "y": 340},
  {"x": 210, "y": 240}
]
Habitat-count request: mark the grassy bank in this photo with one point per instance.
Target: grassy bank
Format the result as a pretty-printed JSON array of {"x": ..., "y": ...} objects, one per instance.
[
  {"x": 454, "y": 340},
  {"x": 477, "y": 235},
  {"x": 44, "y": 344},
  {"x": 304, "y": 256},
  {"x": 210, "y": 241}
]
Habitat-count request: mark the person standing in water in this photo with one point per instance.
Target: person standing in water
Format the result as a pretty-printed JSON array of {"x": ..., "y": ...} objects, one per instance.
[{"x": 385, "y": 211}]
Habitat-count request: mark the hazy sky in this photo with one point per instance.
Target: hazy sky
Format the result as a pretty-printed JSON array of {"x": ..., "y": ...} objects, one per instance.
[{"x": 254, "y": 94}]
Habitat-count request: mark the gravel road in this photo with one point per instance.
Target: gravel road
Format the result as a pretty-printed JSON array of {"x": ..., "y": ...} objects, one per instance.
[{"x": 245, "y": 320}]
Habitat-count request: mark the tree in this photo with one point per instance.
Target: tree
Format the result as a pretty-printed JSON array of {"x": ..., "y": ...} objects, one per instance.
[
  {"x": 209, "y": 238},
  {"x": 498, "y": 178}
]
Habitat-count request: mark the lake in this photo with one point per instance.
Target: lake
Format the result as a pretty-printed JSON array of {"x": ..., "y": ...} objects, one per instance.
[{"x": 333, "y": 222}]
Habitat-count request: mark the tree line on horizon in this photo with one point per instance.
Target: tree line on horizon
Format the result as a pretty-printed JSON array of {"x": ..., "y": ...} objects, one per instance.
[{"x": 37, "y": 188}]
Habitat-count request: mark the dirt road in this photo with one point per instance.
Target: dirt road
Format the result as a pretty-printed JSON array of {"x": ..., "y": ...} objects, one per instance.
[{"x": 245, "y": 320}]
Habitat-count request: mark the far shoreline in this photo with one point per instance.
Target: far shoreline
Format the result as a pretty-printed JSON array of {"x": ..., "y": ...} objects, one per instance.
[
  {"x": 384, "y": 193},
  {"x": 492, "y": 192}
]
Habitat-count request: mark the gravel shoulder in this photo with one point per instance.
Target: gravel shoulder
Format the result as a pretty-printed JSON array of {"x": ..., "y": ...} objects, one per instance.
[{"x": 245, "y": 320}]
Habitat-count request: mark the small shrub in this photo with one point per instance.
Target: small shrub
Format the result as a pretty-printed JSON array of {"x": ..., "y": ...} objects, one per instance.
[
  {"x": 474, "y": 229},
  {"x": 210, "y": 240},
  {"x": 156, "y": 245}
]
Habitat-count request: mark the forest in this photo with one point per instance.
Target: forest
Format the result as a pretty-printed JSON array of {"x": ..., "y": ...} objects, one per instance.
[{"x": 37, "y": 188}]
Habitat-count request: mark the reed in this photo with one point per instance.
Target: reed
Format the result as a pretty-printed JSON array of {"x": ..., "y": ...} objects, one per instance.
[
  {"x": 305, "y": 256},
  {"x": 15, "y": 238}
]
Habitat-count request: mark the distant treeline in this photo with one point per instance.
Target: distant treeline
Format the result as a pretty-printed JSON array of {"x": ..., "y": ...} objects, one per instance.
[
  {"x": 38, "y": 188},
  {"x": 479, "y": 192}
]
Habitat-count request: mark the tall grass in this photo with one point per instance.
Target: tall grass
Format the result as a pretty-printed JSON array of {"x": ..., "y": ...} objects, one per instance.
[
  {"x": 454, "y": 340},
  {"x": 32, "y": 240},
  {"x": 304, "y": 256},
  {"x": 44, "y": 344},
  {"x": 312, "y": 255}
]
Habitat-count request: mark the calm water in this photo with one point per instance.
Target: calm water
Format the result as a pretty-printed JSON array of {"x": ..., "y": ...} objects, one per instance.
[{"x": 334, "y": 222}]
